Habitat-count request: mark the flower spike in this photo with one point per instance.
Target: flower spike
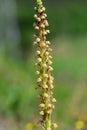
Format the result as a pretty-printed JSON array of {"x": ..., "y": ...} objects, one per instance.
[{"x": 45, "y": 79}]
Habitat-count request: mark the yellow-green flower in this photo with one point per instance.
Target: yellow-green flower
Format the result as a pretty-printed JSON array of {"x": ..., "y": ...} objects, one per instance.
[
  {"x": 29, "y": 126},
  {"x": 45, "y": 78},
  {"x": 79, "y": 124}
]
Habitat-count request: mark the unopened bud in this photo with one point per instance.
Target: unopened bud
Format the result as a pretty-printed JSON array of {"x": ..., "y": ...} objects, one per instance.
[
  {"x": 44, "y": 66},
  {"x": 42, "y": 17},
  {"x": 46, "y": 23},
  {"x": 45, "y": 86},
  {"x": 49, "y": 105},
  {"x": 39, "y": 59},
  {"x": 40, "y": 10},
  {"x": 45, "y": 95},
  {"x": 51, "y": 93},
  {"x": 50, "y": 57},
  {"x": 49, "y": 112},
  {"x": 36, "y": 27},
  {"x": 38, "y": 39},
  {"x": 45, "y": 14},
  {"x": 36, "y": 64},
  {"x": 50, "y": 49},
  {"x": 44, "y": 32},
  {"x": 51, "y": 86},
  {"x": 53, "y": 106},
  {"x": 37, "y": 72},
  {"x": 39, "y": 2},
  {"x": 35, "y": 16},
  {"x": 34, "y": 24},
  {"x": 48, "y": 42},
  {"x": 43, "y": 44},
  {"x": 43, "y": 8},
  {"x": 42, "y": 25},
  {"x": 41, "y": 112},
  {"x": 38, "y": 19},
  {"x": 48, "y": 31},
  {"x": 50, "y": 68},
  {"x": 35, "y": 8},
  {"x": 45, "y": 75},
  {"x": 50, "y": 62},
  {"x": 49, "y": 129},
  {"x": 39, "y": 80},
  {"x": 47, "y": 53},
  {"x": 51, "y": 81},
  {"x": 55, "y": 125},
  {"x": 42, "y": 105},
  {"x": 53, "y": 100},
  {"x": 51, "y": 78},
  {"x": 38, "y": 52},
  {"x": 35, "y": 43}
]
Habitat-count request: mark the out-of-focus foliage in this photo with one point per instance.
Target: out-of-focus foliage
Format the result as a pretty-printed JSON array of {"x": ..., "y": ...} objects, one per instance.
[
  {"x": 17, "y": 85},
  {"x": 64, "y": 17}
]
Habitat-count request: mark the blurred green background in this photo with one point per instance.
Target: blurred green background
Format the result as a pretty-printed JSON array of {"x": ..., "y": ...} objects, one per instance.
[{"x": 18, "y": 97}]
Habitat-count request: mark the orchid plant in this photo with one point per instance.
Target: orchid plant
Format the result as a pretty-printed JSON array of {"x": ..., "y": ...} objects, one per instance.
[{"x": 44, "y": 61}]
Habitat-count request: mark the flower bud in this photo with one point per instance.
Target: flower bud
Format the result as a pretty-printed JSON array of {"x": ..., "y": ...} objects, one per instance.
[
  {"x": 38, "y": 52},
  {"x": 42, "y": 105},
  {"x": 53, "y": 106},
  {"x": 49, "y": 105},
  {"x": 49, "y": 129},
  {"x": 50, "y": 57},
  {"x": 34, "y": 24},
  {"x": 50, "y": 62},
  {"x": 35, "y": 16},
  {"x": 44, "y": 65},
  {"x": 51, "y": 78},
  {"x": 35, "y": 43},
  {"x": 51, "y": 86},
  {"x": 47, "y": 53},
  {"x": 53, "y": 100},
  {"x": 38, "y": 39},
  {"x": 41, "y": 112},
  {"x": 46, "y": 95},
  {"x": 50, "y": 49},
  {"x": 39, "y": 80},
  {"x": 44, "y": 32},
  {"x": 42, "y": 25},
  {"x": 45, "y": 14},
  {"x": 50, "y": 68},
  {"x": 55, "y": 125},
  {"x": 43, "y": 8},
  {"x": 48, "y": 42},
  {"x": 50, "y": 81},
  {"x": 35, "y": 8},
  {"x": 38, "y": 19},
  {"x": 48, "y": 112},
  {"x": 36, "y": 64},
  {"x": 48, "y": 31},
  {"x": 40, "y": 10},
  {"x": 45, "y": 86},
  {"x": 37, "y": 72},
  {"x": 39, "y": 2},
  {"x": 43, "y": 44},
  {"x": 51, "y": 93},
  {"x": 36, "y": 27},
  {"x": 45, "y": 75},
  {"x": 46, "y": 22},
  {"x": 42, "y": 17},
  {"x": 39, "y": 59}
]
